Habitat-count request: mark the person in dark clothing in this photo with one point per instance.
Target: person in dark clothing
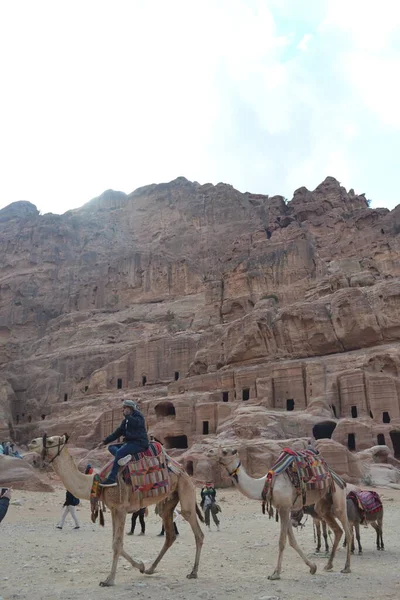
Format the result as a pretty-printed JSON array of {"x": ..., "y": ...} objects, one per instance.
[
  {"x": 208, "y": 490},
  {"x": 176, "y": 515},
  {"x": 209, "y": 504},
  {"x": 141, "y": 514},
  {"x": 4, "y": 502},
  {"x": 70, "y": 503},
  {"x": 133, "y": 431}
]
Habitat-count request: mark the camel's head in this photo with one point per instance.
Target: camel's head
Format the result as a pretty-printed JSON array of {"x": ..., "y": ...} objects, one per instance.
[
  {"x": 229, "y": 458},
  {"x": 48, "y": 447}
]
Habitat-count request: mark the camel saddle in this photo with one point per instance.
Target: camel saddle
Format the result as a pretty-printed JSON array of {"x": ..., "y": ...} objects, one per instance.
[
  {"x": 367, "y": 503},
  {"x": 306, "y": 470},
  {"x": 147, "y": 472}
]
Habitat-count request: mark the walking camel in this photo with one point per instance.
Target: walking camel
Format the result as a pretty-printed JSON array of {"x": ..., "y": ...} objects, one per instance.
[
  {"x": 284, "y": 499},
  {"x": 122, "y": 500}
]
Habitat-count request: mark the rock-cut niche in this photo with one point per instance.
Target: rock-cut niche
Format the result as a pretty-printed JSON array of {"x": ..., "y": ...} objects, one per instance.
[
  {"x": 165, "y": 409},
  {"x": 324, "y": 430}
]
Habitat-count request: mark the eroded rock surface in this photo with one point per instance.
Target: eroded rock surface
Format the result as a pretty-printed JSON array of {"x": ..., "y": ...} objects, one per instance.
[{"x": 231, "y": 316}]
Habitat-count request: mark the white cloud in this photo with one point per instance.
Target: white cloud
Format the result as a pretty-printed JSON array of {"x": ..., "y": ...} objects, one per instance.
[
  {"x": 260, "y": 93},
  {"x": 304, "y": 42}
]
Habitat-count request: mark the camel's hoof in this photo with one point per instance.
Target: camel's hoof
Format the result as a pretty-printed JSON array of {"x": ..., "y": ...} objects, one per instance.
[
  {"x": 360, "y": 552},
  {"x": 106, "y": 583},
  {"x": 346, "y": 570},
  {"x": 274, "y": 576},
  {"x": 142, "y": 568},
  {"x": 149, "y": 571},
  {"x": 328, "y": 567},
  {"x": 191, "y": 576},
  {"x": 313, "y": 569}
]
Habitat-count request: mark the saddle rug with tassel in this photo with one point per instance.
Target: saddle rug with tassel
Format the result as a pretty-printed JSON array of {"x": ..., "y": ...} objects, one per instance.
[
  {"x": 367, "y": 503},
  {"x": 306, "y": 470},
  {"x": 148, "y": 472}
]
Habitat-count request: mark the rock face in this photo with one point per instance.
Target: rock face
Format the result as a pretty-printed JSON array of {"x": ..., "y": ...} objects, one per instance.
[
  {"x": 231, "y": 316},
  {"x": 19, "y": 474}
]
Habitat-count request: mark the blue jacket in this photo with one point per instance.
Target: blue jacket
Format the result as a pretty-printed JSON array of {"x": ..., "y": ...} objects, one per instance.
[
  {"x": 132, "y": 429},
  {"x": 70, "y": 500},
  {"x": 4, "y": 502}
]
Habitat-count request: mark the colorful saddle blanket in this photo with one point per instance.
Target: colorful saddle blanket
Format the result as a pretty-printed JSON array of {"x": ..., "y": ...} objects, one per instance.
[
  {"x": 367, "y": 503},
  {"x": 306, "y": 470},
  {"x": 147, "y": 472}
]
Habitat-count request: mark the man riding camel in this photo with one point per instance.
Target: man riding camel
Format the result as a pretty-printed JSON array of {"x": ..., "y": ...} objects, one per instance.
[{"x": 133, "y": 431}]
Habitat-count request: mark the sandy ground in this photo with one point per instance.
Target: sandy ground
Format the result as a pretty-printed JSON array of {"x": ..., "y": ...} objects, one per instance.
[{"x": 40, "y": 562}]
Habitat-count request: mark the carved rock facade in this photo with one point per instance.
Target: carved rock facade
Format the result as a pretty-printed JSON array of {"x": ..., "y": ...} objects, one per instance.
[{"x": 234, "y": 318}]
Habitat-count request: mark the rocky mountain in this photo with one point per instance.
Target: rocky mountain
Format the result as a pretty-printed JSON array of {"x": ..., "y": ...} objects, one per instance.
[{"x": 236, "y": 317}]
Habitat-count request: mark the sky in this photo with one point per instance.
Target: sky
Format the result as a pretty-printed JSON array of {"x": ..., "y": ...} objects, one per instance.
[{"x": 266, "y": 95}]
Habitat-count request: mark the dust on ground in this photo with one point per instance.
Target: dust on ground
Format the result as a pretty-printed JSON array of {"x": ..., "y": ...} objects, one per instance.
[{"x": 40, "y": 562}]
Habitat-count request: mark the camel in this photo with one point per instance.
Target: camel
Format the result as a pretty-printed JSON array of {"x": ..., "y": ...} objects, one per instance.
[
  {"x": 284, "y": 499},
  {"x": 122, "y": 500}
]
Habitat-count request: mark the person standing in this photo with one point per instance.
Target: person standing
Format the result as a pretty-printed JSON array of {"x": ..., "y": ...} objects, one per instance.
[
  {"x": 133, "y": 431},
  {"x": 141, "y": 515},
  {"x": 175, "y": 517},
  {"x": 71, "y": 502},
  {"x": 89, "y": 469},
  {"x": 5, "y": 498},
  {"x": 209, "y": 504}
]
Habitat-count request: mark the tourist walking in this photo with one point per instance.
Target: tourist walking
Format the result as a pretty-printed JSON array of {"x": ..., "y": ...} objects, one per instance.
[{"x": 71, "y": 502}]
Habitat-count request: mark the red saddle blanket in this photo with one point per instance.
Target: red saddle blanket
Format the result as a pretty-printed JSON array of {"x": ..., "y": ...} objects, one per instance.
[
  {"x": 367, "y": 502},
  {"x": 147, "y": 472}
]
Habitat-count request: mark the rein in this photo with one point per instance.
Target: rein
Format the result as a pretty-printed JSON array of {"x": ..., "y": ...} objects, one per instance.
[
  {"x": 60, "y": 446},
  {"x": 235, "y": 472}
]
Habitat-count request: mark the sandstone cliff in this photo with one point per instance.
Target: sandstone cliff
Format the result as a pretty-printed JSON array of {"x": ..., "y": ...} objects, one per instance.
[{"x": 241, "y": 316}]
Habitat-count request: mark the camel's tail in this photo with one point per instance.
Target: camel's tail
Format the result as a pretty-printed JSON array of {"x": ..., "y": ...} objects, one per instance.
[{"x": 199, "y": 513}]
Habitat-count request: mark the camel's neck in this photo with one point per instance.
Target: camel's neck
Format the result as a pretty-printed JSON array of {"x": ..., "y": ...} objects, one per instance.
[
  {"x": 252, "y": 488},
  {"x": 74, "y": 481}
]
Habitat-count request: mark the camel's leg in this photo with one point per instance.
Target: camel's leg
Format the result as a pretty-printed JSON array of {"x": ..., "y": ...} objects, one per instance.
[
  {"x": 118, "y": 524},
  {"x": 357, "y": 528},
  {"x": 295, "y": 546},
  {"x": 318, "y": 528},
  {"x": 285, "y": 518},
  {"x": 325, "y": 534},
  {"x": 337, "y": 532},
  {"x": 341, "y": 514},
  {"x": 170, "y": 535},
  {"x": 187, "y": 497}
]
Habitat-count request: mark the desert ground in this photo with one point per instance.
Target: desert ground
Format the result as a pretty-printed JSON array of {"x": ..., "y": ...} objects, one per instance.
[{"x": 40, "y": 562}]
